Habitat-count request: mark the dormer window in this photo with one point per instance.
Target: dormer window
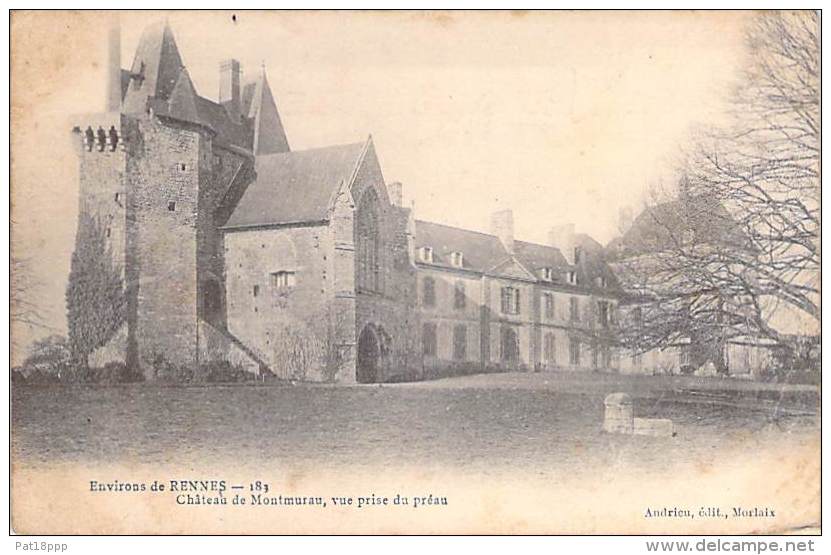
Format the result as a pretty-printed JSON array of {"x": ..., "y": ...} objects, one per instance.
[
  {"x": 457, "y": 259},
  {"x": 548, "y": 274},
  {"x": 572, "y": 278},
  {"x": 426, "y": 254},
  {"x": 577, "y": 252}
]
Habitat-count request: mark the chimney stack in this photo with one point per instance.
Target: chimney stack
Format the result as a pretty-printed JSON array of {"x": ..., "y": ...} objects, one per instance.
[
  {"x": 562, "y": 237},
  {"x": 396, "y": 193},
  {"x": 502, "y": 225},
  {"x": 114, "y": 66},
  {"x": 229, "y": 90}
]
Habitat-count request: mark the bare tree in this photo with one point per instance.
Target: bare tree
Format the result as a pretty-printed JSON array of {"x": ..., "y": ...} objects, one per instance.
[
  {"x": 741, "y": 239},
  {"x": 24, "y": 311},
  {"x": 23, "y": 308}
]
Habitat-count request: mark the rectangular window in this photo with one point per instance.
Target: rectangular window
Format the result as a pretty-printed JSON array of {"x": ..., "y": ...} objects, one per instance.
[
  {"x": 572, "y": 278},
  {"x": 429, "y": 292},
  {"x": 428, "y": 339},
  {"x": 574, "y": 351},
  {"x": 550, "y": 348},
  {"x": 549, "y": 305},
  {"x": 607, "y": 356},
  {"x": 118, "y": 197},
  {"x": 637, "y": 316},
  {"x": 282, "y": 279},
  {"x": 256, "y": 290},
  {"x": 574, "y": 309},
  {"x": 577, "y": 253},
  {"x": 171, "y": 205},
  {"x": 459, "y": 297},
  {"x": 510, "y": 300},
  {"x": 603, "y": 313},
  {"x": 182, "y": 167},
  {"x": 460, "y": 342}
]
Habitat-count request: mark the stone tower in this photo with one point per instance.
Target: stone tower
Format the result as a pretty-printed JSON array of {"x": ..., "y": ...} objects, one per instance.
[{"x": 161, "y": 170}]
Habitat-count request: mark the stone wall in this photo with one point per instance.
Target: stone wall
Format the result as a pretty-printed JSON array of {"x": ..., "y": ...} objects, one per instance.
[
  {"x": 392, "y": 307},
  {"x": 218, "y": 168},
  {"x": 165, "y": 169},
  {"x": 521, "y": 323},
  {"x": 215, "y": 345},
  {"x": 269, "y": 317},
  {"x": 446, "y": 317},
  {"x": 102, "y": 188}
]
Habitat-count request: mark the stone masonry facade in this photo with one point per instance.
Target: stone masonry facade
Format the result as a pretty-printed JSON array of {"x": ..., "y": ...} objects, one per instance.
[{"x": 306, "y": 264}]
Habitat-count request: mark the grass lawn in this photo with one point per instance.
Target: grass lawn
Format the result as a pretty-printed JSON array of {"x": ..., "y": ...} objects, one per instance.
[{"x": 549, "y": 421}]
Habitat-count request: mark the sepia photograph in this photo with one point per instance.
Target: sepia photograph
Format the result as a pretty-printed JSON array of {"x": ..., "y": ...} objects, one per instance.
[{"x": 415, "y": 272}]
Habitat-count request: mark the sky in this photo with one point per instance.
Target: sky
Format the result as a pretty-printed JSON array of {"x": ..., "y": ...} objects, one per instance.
[{"x": 564, "y": 117}]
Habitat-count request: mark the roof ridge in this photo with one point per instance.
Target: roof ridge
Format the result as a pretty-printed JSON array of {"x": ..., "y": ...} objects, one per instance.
[
  {"x": 457, "y": 228},
  {"x": 485, "y": 233},
  {"x": 306, "y": 150}
]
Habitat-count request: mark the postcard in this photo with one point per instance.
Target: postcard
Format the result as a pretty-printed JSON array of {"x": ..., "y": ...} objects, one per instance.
[{"x": 415, "y": 272}]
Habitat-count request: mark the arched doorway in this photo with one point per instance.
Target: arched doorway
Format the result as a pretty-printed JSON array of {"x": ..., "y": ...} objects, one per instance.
[
  {"x": 369, "y": 353},
  {"x": 510, "y": 346}
]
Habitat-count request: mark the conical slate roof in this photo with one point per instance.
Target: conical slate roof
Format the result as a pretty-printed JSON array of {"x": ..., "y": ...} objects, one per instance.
[
  {"x": 155, "y": 68},
  {"x": 259, "y": 105}
]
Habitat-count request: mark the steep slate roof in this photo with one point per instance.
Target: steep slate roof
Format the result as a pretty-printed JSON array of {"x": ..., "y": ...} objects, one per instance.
[
  {"x": 159, "y": 79},
  {"x": 593, "y": 264},
  {"x": 215, "y": 116},
  {"x": 662, "y": 226},
  {"x": 481, "y": 251},
  {"x": 295, "y": 187},
  {"x": 535, "y": 257},
  {"x": 258, "y": 104},
  {"x": 125, "y": 82},
  {"x": 155, "y": 68}
]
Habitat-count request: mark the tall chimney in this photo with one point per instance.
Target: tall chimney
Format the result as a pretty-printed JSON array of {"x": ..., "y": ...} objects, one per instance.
[
  {"x": 562, "y": 237},
  {"x": 229, "y": 93},
  {"x": 502, "y": 225},
  {"x": 114, "y": 66},
  {"x": 396, "y": 193}
]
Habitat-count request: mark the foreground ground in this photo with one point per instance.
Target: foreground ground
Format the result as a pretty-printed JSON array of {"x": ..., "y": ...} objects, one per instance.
[{"x": 551, "y": 422}]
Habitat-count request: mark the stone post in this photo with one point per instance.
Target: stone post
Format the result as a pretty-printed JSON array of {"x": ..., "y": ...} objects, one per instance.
[{"x": 619, "y": 416}]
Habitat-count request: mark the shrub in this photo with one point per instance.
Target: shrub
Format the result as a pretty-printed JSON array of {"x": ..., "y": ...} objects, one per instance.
[
  {"x": 50, "y": 357},
  {"x": 222, "y": 371},
  {"x": 95, "y": 298},
  {"x": 166, "y": 371},
  {"x": 109, "y": 374}
]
